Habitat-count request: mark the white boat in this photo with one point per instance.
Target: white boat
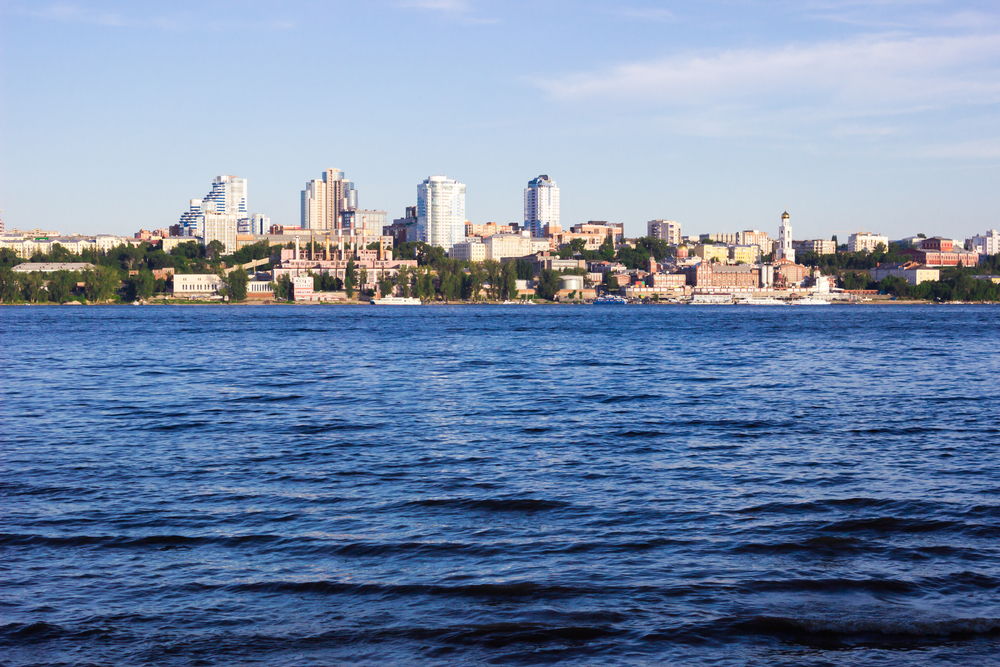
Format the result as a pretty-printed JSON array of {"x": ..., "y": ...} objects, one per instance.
[
  {"x": 809, "y": 301},
  {"x": 396, "y": 301},
  {"x": 762, "y": 301}
]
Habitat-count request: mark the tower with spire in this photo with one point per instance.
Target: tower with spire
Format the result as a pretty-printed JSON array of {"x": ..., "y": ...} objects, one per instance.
[{"x": 785, "y": 250}]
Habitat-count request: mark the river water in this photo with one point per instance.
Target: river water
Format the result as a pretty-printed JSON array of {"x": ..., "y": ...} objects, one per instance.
[{"x": 500, "y": 485}]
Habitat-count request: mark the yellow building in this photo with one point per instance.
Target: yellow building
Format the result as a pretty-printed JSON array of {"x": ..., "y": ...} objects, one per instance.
[
  {"x": 709, "y": 252},
  {"x": 747, "y": 254}
]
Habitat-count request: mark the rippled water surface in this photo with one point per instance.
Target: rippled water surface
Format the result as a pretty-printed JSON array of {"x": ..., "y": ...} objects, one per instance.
[{"x": 500, "y": 485}]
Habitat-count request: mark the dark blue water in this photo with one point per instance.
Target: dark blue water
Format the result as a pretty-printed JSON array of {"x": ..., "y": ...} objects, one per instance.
[{"x": 500, "y": 485}]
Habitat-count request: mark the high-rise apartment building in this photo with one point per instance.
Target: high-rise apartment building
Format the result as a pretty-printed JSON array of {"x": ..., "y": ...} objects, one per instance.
[
  {"x": 325, "y": 199},
  {"x": 227, "y": 196},
  {"x": 665, "y": 230},
  {"x": 985, "y": 244},
  {"x": 755, "y": 237},
  {"x": 785, "y": 249},
  {"x": 866, "y": 241},
  {"x": 441, "y": 211},
  {"x": 541, "y": 204}
]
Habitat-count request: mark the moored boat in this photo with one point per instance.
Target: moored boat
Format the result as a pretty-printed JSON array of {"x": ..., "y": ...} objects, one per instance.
[{"x": 396, "y": 301}]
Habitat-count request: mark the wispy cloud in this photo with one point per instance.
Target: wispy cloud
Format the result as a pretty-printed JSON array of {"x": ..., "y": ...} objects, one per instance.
[
  {"x": 645, "y": 13},
  {"x": 75, "y": 13},
  {"x": 867, "y": 75},
  {"x": 458, "y": 10}
]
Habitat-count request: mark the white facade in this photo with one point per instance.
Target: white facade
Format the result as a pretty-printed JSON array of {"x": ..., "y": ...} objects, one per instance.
[
  {"x": 441, "y": 212},
  {"x": 257, "y": 224},
  {"x": 665, "y": 230},
  {"x": 227, "y": 196},
  {"x": 189, "y": 284},
  {"x": 541, "y": 204},
  {"x": 785, "y": 249},
  {"x": 325, "y": 199},
  {"x": 471, "y": 250},
  {"x": 987, "y": 244},
  {"x": 866, "y": 241},
  {"x": 220, "y": 227},
  {"x": 754, "y": 237},
  {"x": 500, "y": 246}
]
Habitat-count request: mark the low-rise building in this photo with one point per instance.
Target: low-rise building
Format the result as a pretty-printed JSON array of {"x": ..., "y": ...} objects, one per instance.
[
  {"x": 911, "y": 272},
  {"x": 196, "y": 284},
  {"x": 51, "y": 267},
  {"x": 471, "y": 250},
  {"x": 789, "y": 274},
  {"x": 501, "y": 246},
  {"x": 939, "y": 251}
]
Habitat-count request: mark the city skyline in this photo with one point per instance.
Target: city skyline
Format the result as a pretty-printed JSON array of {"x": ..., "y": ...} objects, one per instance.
[{"x": 879, "y": 117}]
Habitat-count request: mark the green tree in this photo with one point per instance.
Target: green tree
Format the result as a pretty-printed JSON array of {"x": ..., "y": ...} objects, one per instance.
[
  {"x": 283, "y": 288},
  {"x": 145, "y": 284},
  {"x": 548, "y": 285},
  {"x": 215, "y": 248},
  {"x": 607, "y": 249},
  {"x": 425, "y": 285},
  {"x": 403, "y": 280},
  {"x": 362, "y": 279},
  {"x": 493, "y": 271},
  {"x": 10, "y": 290},
  {"x": 32, "y": 286},
  {"x": 100, "y": 283},
  {"x": 385, "y": 284},
  {"x": 61, "y": 285},
  {"x": 350, "y": 280},
  {"x": 509, "y": 281},
  {"x": 235, "y": 283}
]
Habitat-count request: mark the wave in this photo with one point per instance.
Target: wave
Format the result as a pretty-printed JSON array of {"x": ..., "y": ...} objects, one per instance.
[
  {"x": 881, "y": 624},
  {"x": 492, "y": 504}
]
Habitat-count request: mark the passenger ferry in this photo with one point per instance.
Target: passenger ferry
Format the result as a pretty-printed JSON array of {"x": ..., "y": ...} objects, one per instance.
[
  {"x": 396, "y": 301},
  {"x": 612, "y": 299},
  {"x": 809, "y": 301},
  {"x": 762, "y": 301}
]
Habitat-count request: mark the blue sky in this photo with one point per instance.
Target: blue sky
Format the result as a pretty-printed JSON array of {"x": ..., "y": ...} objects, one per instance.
[{"x": 882, "y": 115}]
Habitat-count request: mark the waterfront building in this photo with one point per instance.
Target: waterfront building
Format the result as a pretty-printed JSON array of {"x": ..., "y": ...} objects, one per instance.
[
  {"x": 866, "y": 241},
  {"x": 788, "y": 274},
  {"x": 440, "y": 212},
  {"x": 785, "y": 249},
  {"x": 472, "y": 249},
  {"x": 705, "y": 277},
  {"x": 985, "y": 244},
  {"x": 501, "y": 246},
  {"x": 196, "y": 285},
  {"x": 665, "y": 230},
  {"x": 939, "y": 251},
  {"x": 911, "y": 272},
  {"x": 817, "y": 246},
  {"x": 541, "y": 205},
  {"x": 325, "y": 199}
]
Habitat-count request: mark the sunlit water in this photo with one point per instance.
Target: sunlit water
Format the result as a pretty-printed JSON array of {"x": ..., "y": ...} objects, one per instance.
[{"x": 510, "y": 485}]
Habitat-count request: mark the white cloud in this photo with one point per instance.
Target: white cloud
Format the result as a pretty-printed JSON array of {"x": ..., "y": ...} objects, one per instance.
[{"x": 856, "y": 77}]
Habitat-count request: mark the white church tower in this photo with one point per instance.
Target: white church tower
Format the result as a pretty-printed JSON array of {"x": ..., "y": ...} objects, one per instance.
[{"x": 785, "y": 250}]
